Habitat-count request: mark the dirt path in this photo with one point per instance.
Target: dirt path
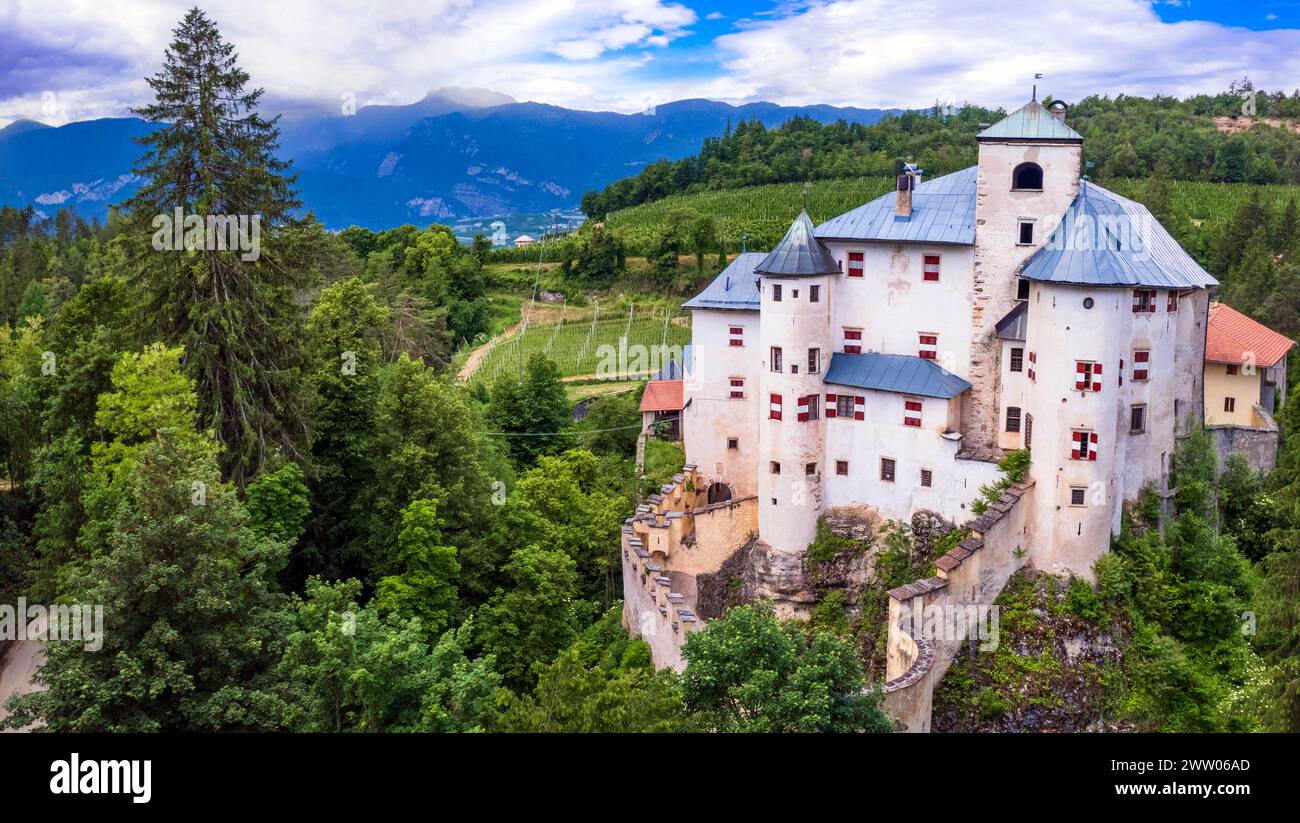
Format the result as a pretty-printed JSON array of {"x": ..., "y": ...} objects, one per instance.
[
  {"x": 18, "y": 670},
  {"x": 477, "y": 356}
]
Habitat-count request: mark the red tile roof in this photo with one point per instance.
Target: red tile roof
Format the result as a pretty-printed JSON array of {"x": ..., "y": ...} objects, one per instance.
[
  {"x": 1235, "y": 338},
  {"x": 662, "y": 395}
]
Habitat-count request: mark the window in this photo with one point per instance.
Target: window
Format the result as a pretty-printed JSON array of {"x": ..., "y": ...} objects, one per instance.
[
  {"x": 809, "y": 407},
  {"x": 1137, "y": 419},
  {"x": 1027, "y": 176},
  {"x": 814, "y": 361},
  {"x": 1033, "y": 362},
  {"x": 732, "y": 443},
  {"x": 930, "y": 269},
  {"x": 1017, "y": 359},
  {"x": 1013, "y": 419},
  {"x": 1029, "y": 430},
  {"x": 809, "y": 469},
  {"x": 1078, "y": 495},
  {"x": 1085, "y": 376},
  {"x": 1172, "y": 306},
  {"x": 912, "y": 413},
  {"x": 774, "y": 467},
  {"x": 929, "y": 348},
  {"x": 842, "y": 468},
  {"x": 853, "y": 341},
  {"x": 737, "y": 335},
  {"x": 1022, "y": 288},
  {"x": 814, "y": 294},
  {"x": 1141, "y": 361},
  {"x": 776, "y": 292},
  {"x": 1026, "y": 233},
  {"x": 1083, "y": 445},
  {"x": 927, "y": 478},
  {"x": 737, "y": 388},
  {"x": 1232, "y": 369},
  {"x": 857, "y": 266},
  {"x": 775, "y": 356},
  {"x": 1144, "y": 301},
  {"x": 794, "y": 293},
  {"x": 887, "y": 469},
  {"x": 846, "y": 405},
  {"x": 774, "y": 407},
  {"x": 1230, "y": 404}
]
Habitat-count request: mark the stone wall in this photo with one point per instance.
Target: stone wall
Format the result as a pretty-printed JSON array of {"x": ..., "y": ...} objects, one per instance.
[
  {"x": 1258, "y": 444},
  {"x": 972, "y": 574}
]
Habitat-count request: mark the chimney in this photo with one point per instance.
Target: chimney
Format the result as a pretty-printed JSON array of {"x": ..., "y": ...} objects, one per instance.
[
  {"x": 907, "y": 181},
  {"x": 1058, "y": 109}
]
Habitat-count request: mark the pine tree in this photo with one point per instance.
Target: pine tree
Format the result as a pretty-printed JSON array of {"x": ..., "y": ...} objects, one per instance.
[{"x": 214, "y": 157}]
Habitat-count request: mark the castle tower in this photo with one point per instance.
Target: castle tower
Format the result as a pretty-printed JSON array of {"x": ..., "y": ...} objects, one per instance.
[
  {"x": 1028, "y": 175},
  {"x": 795, "y": 284}
]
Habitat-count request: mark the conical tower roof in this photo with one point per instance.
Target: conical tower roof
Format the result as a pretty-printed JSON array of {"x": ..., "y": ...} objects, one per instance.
[{"x": 799, "y": 253}]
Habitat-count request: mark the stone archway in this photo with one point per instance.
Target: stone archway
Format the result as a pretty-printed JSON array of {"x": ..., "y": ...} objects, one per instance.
[{"x": 719, "y": 492}]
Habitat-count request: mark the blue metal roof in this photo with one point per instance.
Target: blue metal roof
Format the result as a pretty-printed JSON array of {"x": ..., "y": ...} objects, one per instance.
[
  {"x": 799, "y": 253},
  {"x": 943, "y": 211},
  {"x": 735, "y": 287},
  {"x": 1030, "y": 122},
  {"x": 1107, "y": 240},
  {"x": 1015, "y": 326},
  {"x": 902, "y": 373}
]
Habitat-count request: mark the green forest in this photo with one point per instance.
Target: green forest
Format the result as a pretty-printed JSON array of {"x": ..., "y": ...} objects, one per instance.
[{"x": 297, "y": 519}]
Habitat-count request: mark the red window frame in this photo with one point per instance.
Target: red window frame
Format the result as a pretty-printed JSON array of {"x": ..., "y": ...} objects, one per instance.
[
  {"x": 910, "y": 419},
  {"x": 1085, "y": 375},
  {"x": 774, "y": 406},
  {"x": 842, "y": 468},
  {"x": 1172, "y": 305},
  {"x": 737, "y": 335},
  {"x": 928, "y": 340},
  {"x": 930, "y": 268},
  {"x": 857, "y": 264},
  {"x": 1033, "y": 364},
  {"x": 1144, "y": 301},
  {"x": 1083, "y": 445},
  {"x": 737, "y": 388}
]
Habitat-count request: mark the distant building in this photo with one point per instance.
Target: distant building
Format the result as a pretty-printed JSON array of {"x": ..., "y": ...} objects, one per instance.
[
  {"x": 524, "y": 240},
  {"x": 1245, "y": 382},
  {"x": 662, "y": 403}
]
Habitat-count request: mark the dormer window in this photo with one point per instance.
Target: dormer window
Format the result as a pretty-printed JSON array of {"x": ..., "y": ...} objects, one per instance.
[{"x": 1027, "y": 177}]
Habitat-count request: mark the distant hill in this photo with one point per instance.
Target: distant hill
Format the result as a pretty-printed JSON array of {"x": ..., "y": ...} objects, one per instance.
[{"x": 455, "y": 154}]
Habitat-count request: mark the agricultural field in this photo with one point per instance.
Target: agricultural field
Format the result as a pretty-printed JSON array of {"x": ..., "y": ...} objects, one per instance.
[
  {"x": 765, "y": 212},
  {"x": 583, "y": 342}
]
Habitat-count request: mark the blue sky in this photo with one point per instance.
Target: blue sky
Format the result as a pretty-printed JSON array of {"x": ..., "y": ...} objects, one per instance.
[{"x": 64, "y": 60}]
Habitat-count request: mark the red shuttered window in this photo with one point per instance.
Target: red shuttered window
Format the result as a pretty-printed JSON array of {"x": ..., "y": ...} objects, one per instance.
[
  {"x": 1144, "y": 301},
  {"x": 930, "y": 270},
  {"x": 1141, "y": 363},
  {"x": 1033, "y": 367},
  {"x": 857, "y": 264},
  {"x": 1085, "y": 376},
  {"x": 912, "y": 413},
  {"x": 929, "y": 346},
  {"x": 853, "y": 341},
  {"x": 859, "y": 407},
  {"x": 738, "y": 388},
  {"x": 737, "y": 335},
  {"x": 1083, "y": 445},
  {"x": 774, "y": 407}
]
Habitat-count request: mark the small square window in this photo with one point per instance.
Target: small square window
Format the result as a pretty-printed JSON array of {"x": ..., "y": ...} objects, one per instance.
[
  {"x": 857, "y": 266},
  {"x": 887, "y": 469},
  {"x": 930, "y": 268},
  {"x": 1013, "y": 419},
  {"x": 844, "y": 406},
  {"x": 774, "y": 467},
  {"x": 1022, "y": 289},
  {"x": 733, "y": 443},
  {"x": 1230, "y": 404},
  {"x": 794, "y": 293},
  {"x": 927, "y": 478},
  {"x": 775, "y": 355},
  {"x": 1078, "y": 495},
  {"x": 1026, "y": 232},
  {"x": 1232, "y": 369},
  {"x": 1017, "y": 359},
  {"x": 842, "y": 468},
  {"x": 1137, "y": 419},
  {"x": 814, "y": 361},
  {"x": 810, "y": 468}
]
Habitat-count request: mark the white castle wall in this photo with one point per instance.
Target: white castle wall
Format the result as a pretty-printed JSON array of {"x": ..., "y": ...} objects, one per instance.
[{"x": 712, "y": 416}]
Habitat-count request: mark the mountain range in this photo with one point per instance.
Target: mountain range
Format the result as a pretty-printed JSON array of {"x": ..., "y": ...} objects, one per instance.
[{"x": 455, "y": 154}]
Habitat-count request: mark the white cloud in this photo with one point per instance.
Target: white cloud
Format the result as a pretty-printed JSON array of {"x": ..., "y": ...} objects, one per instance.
[{"x": 911, "y": 52}]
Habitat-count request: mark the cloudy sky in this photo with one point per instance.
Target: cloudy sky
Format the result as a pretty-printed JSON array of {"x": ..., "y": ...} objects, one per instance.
[{"x": 64, "y": 60}]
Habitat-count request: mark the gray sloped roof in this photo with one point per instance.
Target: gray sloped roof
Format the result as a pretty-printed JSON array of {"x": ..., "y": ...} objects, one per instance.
[
  {"x": 799, "y": 253},
  {"x": 1015, "y": 326},
  {"x": 902, "y": 373},
  {"x": 672, "y": 370},
  {"x": 1030, "y": 122},
  {"x": 1108, "y": 240},
  {"x": 943, "y": 211},
  {"x": 735, "y": 287}
]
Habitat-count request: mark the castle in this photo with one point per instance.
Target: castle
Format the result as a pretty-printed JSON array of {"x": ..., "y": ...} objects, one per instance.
[{"x": 875, "y": 367}]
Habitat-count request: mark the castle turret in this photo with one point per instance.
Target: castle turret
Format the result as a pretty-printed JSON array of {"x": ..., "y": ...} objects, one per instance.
[
  {"x": 1028, "y": 175},
  {"x": 796, "y": 343}
]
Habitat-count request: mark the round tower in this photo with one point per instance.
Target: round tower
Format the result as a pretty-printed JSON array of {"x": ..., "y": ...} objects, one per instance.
[{"x": 795, "y": 284}]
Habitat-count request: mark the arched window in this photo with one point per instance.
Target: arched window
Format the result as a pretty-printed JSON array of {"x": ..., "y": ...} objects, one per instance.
[
  {"x": 719, "y": 492},
  {"x": 1027, "y": 176}
]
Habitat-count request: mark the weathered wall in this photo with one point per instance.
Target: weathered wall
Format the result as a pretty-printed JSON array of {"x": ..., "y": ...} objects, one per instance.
[
  {"x": 972, "y": 574},
  {"x": 1257, "y": 444},
  {"x": 712, "y": 416}
]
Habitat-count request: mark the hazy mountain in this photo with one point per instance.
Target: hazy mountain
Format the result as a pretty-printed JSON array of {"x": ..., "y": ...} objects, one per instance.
[{"x": 456, "y": 153}]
